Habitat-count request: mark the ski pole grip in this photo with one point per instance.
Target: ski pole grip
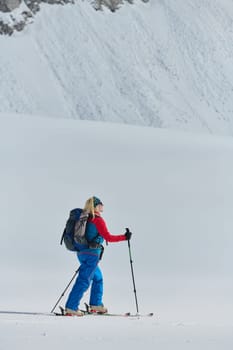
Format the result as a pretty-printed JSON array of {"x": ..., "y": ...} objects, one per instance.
[{"x": 128, "y": 234}]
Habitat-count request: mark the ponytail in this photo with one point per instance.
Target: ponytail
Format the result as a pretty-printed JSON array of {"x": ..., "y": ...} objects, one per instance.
[{"x": 89, "y": 207}]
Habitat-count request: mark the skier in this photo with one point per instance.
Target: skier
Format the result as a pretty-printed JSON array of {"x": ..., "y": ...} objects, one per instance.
[{"x": 89, "y": 258}]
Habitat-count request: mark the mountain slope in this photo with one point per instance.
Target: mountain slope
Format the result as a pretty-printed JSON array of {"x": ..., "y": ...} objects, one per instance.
[{"x": 163, "y": 64}]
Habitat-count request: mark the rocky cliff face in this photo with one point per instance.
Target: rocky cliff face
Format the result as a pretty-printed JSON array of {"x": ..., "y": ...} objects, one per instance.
[
  {"x": 9, "y": 5},
  {"x": 16, "y": 14},
  {"x": 26, "y": 9}
]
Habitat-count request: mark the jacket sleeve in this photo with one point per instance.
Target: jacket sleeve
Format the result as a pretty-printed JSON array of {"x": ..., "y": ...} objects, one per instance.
[{"x": 103, "y": 231}]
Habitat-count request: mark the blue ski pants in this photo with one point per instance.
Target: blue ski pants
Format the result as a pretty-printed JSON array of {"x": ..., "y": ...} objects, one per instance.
[{"x": 89, "y": 274}]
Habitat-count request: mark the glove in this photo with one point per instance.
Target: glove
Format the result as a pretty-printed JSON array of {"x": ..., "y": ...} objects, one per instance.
[{"x": 128, "y": 234}]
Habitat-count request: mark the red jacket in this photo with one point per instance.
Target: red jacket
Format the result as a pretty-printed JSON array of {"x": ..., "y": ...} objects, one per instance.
[{"x": 102, "y": 229}]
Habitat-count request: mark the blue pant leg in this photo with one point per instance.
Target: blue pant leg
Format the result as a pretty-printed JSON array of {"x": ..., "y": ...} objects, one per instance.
[
  {"x": 86, "y": 272},
  {"x": 96, "y": 294}
]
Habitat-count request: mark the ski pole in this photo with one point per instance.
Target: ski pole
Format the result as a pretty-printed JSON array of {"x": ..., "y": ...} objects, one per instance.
[
  {"x": 63, "y": 293},
  {"x": 131, "y": 264}
]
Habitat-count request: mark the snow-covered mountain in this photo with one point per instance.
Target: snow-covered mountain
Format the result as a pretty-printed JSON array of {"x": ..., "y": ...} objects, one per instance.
[{"x": 163, "y": 63}]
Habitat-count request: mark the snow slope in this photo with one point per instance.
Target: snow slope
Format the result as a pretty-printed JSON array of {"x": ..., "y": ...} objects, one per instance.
[
  {"x": 173, "y": 189},
  {"x": 163, "y": 63}
]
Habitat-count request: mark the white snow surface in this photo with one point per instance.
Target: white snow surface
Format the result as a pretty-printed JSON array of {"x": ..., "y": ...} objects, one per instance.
[
  {"x": 174, "y": 191},
  {"x": 165, "y": 64}
]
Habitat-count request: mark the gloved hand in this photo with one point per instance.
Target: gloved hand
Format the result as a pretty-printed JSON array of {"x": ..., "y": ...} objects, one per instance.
[{"x": 128, "y": 234}]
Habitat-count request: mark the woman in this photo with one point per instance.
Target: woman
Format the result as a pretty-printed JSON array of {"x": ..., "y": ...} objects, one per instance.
[{"x": 89, "y": 256}]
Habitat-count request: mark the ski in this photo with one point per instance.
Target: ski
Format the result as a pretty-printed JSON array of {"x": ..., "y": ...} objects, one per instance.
[
  {"x": 96, "y": 314},
  {"x": 99, "y": 314},
  {"x": 87, "y": 312}
]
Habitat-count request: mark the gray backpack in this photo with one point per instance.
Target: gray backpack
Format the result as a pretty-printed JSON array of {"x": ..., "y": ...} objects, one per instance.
[{"x": 75, "y": 229}]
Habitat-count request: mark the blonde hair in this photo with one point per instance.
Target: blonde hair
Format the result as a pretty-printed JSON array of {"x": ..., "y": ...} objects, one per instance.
[{"x": 89, "y": 207}]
